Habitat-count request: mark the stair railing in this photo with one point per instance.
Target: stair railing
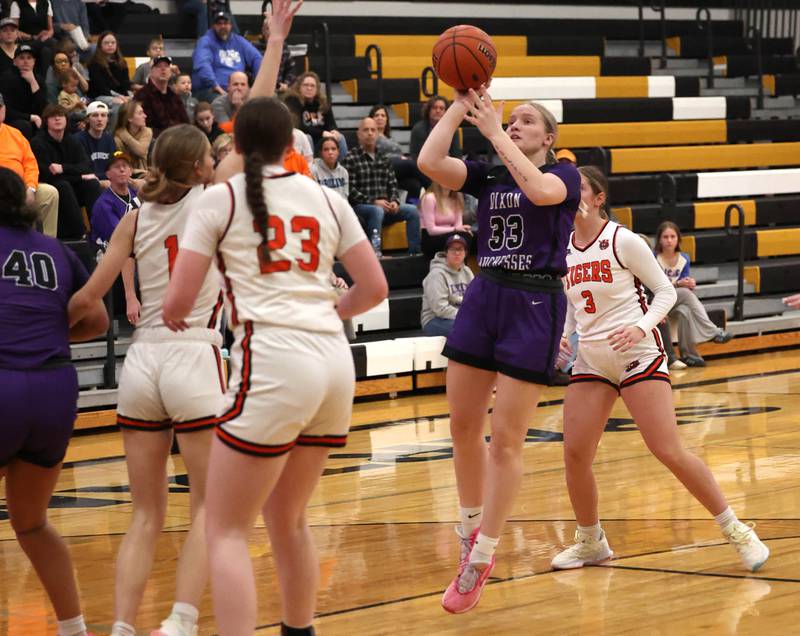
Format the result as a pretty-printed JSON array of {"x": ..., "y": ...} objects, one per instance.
[
  {"x": 377, "y": 69},
  {"x": 710, "y": 42},
  {"x": 738, "y": 304},
  {"x": 321, "y": 39},
  {"x": 754, "y": 40}
]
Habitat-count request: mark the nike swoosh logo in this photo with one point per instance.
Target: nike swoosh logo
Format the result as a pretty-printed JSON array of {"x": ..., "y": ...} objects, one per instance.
[
  {"x": 536, "y": 302},
  {"x": 473, "y": 516}
]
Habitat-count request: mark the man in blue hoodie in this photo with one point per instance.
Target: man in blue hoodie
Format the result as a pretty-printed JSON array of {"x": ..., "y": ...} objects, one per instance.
[{"x": 218, "y": 54}]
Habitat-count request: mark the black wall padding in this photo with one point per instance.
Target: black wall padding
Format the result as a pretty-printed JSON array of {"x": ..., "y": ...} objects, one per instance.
[
  {"x": 787, "y": 84},
  {"x": 359, "y": 359},
  {"x": 342, "y": 68},
  {"x": 611, "y": 29},
  {"x": 647, "y": 218},
  {"x": 718, "y": 247},
  {"x": 584, "y": 111},
  {"x": 778, "y": 211},
  {"x": 687, "y": 86},
  {"x": 340, "y": 44},
  {"x": 404, "y": 313},
  {"x": 738, "y": 107},
  {"x": 566, "y": 45},
  {"x": 394, "y": 91},
  {"x": 779, "y": 276},
  {"x": 473, "y": 143},
  {"x": 741, "y": 65},
  {"x": 625, "y": 66},
  {"x": 718, "y": 317},
  {"x": 406, "y": 271},
  {"x": 764, "y": 130},
  {"x": 697, "y": 46},
  {"x": 624, "y": 190}
]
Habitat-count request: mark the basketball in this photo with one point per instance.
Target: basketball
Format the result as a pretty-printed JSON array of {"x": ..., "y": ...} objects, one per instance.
[{"x": 464, "y": 57}]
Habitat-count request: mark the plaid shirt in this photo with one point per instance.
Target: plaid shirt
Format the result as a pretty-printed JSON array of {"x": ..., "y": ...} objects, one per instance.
[
  {"x": 370, "y": 178},
  {"x": 162, "y": 109}
]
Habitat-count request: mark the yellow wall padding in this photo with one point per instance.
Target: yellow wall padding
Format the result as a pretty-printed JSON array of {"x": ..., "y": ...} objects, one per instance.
[
  {"x": 768, "y": 81},
  {"x": 752, "y": 275},
  {"x": 393, "y": 237},
  {"x": 674, "y": 43},
  {"x": 403, "y": 111},
  {"x": 351, "y": 86},
  {"x": 649, "y": 133},
  {"x": 131, "y": 62},
  {"x": 392, "y": 45},
  {"x": 777, "y": 242},
  {"x": 712, "y": 214},
  {"x": 610, "y": 87},
  {"x": 629, "y": 160},
  {"x": 624, "y": 216},
  {"x": 688, "y": 245},
  {"x": 513, "y": 66}
]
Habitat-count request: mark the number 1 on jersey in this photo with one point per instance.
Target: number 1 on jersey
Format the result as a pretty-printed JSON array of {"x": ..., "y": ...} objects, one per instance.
[{"x": 171, "y": 244}]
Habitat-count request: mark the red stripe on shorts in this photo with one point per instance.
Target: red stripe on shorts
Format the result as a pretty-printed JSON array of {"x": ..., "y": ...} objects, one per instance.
[{"x": 250, "y": 448}]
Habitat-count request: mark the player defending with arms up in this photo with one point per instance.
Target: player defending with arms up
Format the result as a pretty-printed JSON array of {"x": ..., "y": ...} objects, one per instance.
[
  {"x": 620, "y": 353},
  {"x": 507, "y": 330}
]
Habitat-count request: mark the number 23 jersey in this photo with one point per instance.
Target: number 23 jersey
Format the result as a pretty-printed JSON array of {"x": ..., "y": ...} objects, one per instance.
[
  {"x": 605, "y": 283},
  {"x": 309, "y": 225}
]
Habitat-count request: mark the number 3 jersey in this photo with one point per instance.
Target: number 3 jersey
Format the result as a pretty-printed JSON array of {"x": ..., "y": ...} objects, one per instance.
[
  {"x": 159, "y": 235},
  {"x": 605, "y": 283},
  {"x": 309, "y": 225}
]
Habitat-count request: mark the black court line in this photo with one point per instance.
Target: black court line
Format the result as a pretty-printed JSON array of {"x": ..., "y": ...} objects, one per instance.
[{"x": 721, "y": 575}]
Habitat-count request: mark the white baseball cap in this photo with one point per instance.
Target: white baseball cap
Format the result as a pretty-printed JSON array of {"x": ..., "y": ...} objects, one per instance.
[{"x": 96, "y": 107}]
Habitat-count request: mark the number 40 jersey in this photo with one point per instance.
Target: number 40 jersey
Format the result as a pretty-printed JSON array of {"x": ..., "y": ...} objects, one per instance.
[
  {"x": 286, "y": 281},
  {"x": 159, "y": 234}
]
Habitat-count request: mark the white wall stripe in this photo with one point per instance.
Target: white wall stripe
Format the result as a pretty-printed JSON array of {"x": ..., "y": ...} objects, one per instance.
[
  {"x": 660, "y": 86},
  {"x": 699, "y": 108},
  {"x": 747, "y": 183},
  {"x": 543, "y": 88}
]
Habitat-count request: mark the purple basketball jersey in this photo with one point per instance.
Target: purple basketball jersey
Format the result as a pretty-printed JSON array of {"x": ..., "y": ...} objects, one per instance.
[
  {"x": 37, "y": 278},
  {"x": 514, "y": 233}
]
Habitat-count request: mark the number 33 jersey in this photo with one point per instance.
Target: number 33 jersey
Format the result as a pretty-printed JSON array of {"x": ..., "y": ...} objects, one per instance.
[
  {"x": 605, "y": 283},
  {"x": 309, "y": 225},
  {"x": 159, "y": 234}
]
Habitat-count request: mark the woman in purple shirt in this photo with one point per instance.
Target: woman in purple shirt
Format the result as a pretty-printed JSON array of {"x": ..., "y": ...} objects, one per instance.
[
  {"x": 38, "y": 387},
  {"x": 507, "y": 331}
]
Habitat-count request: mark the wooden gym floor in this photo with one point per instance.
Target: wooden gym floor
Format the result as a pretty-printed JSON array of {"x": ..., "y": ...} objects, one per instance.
[{"x": 383, "y": 520}]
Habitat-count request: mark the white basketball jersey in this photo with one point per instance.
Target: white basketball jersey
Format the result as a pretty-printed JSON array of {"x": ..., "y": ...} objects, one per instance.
[
  {"x": 309, "y": 225},
  {"x": 159, "y": 234},
  {"x": 604, "y": 293}
]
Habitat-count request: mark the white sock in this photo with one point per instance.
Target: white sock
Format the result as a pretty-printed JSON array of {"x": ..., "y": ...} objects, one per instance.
[
  {"x": 121, "y": 628},
  {"x": 594, "y": 531},
  {"x": 483, "y": 550},
  {"x": 72, "y": 627},
  {"x": 470, "y": 519},
  {"x": 186, "y": 613},
  {"x": 726, "y": 519}
]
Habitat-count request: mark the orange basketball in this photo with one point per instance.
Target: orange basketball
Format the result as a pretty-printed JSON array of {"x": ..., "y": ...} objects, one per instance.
[{"x": 464, "y": 57}]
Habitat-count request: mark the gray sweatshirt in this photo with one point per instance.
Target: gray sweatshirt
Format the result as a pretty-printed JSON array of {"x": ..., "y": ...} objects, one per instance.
[
  {"x": 443, "y": 289},
  {"x": 337, "y": 179}
]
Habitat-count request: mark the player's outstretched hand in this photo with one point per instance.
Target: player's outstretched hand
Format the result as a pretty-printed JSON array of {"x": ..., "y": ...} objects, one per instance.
[
  {"x": 792, "y": 301},
  {"x": 132, "y": 308},
  {"x": 623, "y": 338},
  {"x": 278, "y": 22},
  {"x": 483, "y": 114}
]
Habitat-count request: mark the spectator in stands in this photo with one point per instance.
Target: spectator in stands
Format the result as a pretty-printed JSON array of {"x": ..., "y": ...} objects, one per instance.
[
  {"x": 432, "y": 112},
  {"x": 221, "y": 148},
  {"x": 794, "y": 300},
  {"x": 105, "y": 15},
  {"x": 24, "y": 92},
  {"x": 442, "y": 213},
  {"x": 65, "y": 61},
  {"x": 183, "y": 88},
  {"x": 9, "y": 34},
  {"x": 218, "y": 54},
  {"x": 314, "y": 114},
  {"x": 133, "y": 136},
  {"x": 409, "y": 178},
  {"x": 115, "y": 201},
  {"x": 108, "y": 72},
  {"x": 35, "y": 23},
  {"x": 199, "y": 9},
  {"x": 70, "y": 98},
  {"x": 373, "y": 189},
  {"x": 286, "y": 70},
  {"x": 293, "y": 161},
  {"x": 97, "y": 142},
  {"x": 302, "y": 145},
  {"x": 204, "y": 120},
  {"x": 566, "y": 155},
  {"x": 161, "y": 104},
  {"x": 694, "y": 325},
  {"x": 327, "y": 170},
  {"x": 225, "y": 106},
  {"x": 65, "y": 165},
  {"x": 70, "y": 19},
  {"x": 16, "y": 154},
  {"x": 155, "y": 48},
  {"x": 444, "y": 287}
]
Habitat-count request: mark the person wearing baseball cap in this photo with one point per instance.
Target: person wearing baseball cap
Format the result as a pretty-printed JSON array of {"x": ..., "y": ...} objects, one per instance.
[
  {"x": 445, "y": 285},
  {"x": 8, "y": 43},
  {"x": 115, "y": 201},
  {"x": 97, "y": 141},
  {"x": 163, "y": 107},
  {"x": 24, "y": 92},
  {"x": 566, "y": 155},
  {"x": 219, "y": 53}
]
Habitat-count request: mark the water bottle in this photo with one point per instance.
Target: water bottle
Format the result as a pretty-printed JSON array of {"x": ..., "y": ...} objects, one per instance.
[{"x": 376, "y": 241}]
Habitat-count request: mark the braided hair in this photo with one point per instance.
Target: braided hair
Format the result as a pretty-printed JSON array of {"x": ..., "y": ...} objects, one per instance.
[{"x": 262, "y": 133}]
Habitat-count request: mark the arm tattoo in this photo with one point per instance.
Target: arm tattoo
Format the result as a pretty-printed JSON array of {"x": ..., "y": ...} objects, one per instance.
[{"x": 512, "y": 166}]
